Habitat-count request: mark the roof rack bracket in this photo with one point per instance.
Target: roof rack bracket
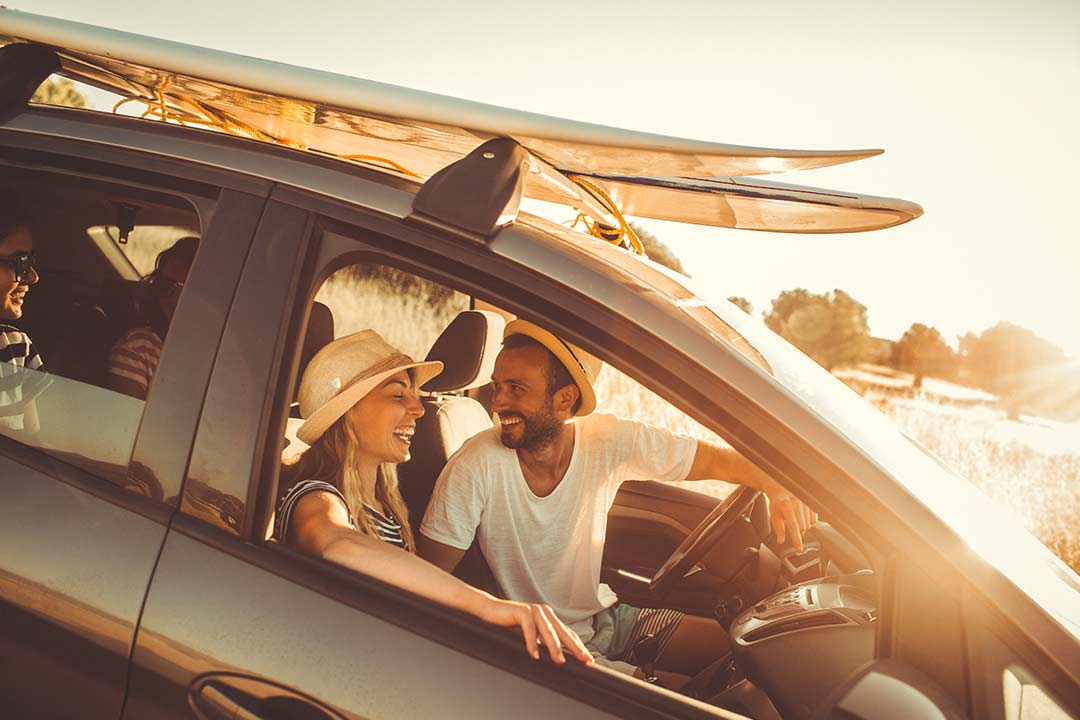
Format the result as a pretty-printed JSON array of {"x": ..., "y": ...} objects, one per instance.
[
  {"x": 479, "y": 193},
  {"x": 23, "y": 67}
]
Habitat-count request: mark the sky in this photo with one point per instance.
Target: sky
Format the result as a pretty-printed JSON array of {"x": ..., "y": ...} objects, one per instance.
[{"x": 975, "y": 104}]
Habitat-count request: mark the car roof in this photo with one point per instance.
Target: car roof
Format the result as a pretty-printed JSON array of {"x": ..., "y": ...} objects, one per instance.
[{"x": 415, "y": 134}]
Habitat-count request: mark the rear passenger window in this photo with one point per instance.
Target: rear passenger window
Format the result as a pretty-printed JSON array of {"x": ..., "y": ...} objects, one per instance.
[{"x": 90, "y": 276}]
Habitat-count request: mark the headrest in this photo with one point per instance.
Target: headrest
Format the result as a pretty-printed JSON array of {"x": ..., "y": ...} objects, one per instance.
[
  {"x": 320, "y": 332},
  {"x": 467, "y": 350}
]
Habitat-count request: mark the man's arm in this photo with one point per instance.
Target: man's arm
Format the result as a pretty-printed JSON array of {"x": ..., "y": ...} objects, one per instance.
[
  {"x": 439, "y": 554},
  {"x": 785, "y": 510}
]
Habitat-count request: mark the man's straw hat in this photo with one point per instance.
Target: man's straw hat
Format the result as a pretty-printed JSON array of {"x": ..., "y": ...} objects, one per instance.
[
  {"x": 346, "y": 370},
  {"x": 582, "y": 366}
]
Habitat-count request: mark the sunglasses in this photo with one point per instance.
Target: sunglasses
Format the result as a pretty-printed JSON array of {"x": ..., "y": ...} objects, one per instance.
[{"x": 22, "y": 263}]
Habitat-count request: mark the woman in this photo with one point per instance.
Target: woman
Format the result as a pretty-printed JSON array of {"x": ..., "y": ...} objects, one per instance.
[
  {"x": 134, "y": 358},
  {"x": 358, "y": 398},
  {"x": 17, "y": 274}
]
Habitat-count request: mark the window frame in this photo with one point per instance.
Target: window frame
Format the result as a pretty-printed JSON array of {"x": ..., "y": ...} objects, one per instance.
[{"x": 168, "y": 421}]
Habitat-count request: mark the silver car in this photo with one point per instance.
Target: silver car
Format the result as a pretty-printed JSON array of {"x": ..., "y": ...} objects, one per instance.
[{"x": 138, "y": 578}]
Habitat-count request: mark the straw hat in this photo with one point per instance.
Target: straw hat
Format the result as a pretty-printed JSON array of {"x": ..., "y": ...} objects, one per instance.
[
  {"x": 582, "y": 366},
  {"x": 346, "y": 370}
]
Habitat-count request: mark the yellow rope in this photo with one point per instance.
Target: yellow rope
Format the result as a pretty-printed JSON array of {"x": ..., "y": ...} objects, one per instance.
[
  {"x": 161, "y": 97},
  {"x": 386, "y": 161},
  {"x": 610, "y": 234},
  {"x": 220, "y": 121},
  {"x": 125, "y": 101}
]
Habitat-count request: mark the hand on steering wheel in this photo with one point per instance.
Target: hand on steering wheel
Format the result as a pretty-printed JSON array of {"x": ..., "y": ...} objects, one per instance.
[{"x": 787, "y": 512}]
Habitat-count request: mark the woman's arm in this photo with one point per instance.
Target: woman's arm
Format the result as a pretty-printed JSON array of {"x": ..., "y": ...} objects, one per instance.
[{"x": 319, "y": 526}]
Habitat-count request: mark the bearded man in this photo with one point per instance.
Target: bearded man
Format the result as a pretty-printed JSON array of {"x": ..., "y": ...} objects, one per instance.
[{"x": 535, "y": 491}]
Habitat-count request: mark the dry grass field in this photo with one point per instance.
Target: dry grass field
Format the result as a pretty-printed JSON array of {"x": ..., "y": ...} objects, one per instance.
[{"x": 1032, "y": 467}]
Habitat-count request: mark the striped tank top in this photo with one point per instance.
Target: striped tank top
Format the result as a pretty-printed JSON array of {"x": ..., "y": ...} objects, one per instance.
[{"x": 387, "y": 529}]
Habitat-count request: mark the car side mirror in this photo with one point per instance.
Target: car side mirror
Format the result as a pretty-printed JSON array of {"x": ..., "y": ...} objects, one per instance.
[{"x": 888, "y": 690}]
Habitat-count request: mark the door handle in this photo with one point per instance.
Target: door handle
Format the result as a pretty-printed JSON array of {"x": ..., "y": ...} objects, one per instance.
[
  {"x": 236, "y": 696},
  {"x": 216, "y": 705}
]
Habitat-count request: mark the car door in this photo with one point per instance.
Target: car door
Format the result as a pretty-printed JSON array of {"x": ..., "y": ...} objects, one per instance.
[
  {"x": 236, "y": 624},
  {"x": 90, "y": 485}
]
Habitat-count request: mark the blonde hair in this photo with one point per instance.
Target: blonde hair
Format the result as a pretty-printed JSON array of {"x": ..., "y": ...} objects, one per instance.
[{"x": 329, "y": 459}]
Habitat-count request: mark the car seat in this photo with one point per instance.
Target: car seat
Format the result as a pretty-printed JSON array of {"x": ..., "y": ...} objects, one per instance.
[{"x": 467, "y": 349}]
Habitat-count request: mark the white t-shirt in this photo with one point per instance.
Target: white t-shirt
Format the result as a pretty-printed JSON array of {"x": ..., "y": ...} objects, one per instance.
[{"x": 549, "y": 549}]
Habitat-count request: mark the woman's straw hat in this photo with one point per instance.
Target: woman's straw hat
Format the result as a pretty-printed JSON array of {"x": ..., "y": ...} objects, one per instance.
[
  {"x": 346, "y": 370},
  {"x": 582, "y": 366}
]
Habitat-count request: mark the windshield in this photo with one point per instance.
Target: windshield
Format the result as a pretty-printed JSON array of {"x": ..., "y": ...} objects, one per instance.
[{"x": 989, "y": 530}]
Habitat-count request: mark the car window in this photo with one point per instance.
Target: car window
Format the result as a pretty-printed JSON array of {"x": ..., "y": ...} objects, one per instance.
[
  {"x": 408, "y": 311},
  {"x": 132, "y": 253},
  {"x": 82, "y": 345},
  {"x": 1026, "y": 700}
]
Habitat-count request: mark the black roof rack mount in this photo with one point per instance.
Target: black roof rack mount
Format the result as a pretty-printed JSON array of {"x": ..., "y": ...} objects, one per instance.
[{"x": 23, "y": 67}]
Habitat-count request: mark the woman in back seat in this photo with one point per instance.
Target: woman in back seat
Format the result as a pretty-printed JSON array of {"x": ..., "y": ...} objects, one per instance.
[
  {"x": 134, "y": 358},
  {"x": 341, "y": 502}
]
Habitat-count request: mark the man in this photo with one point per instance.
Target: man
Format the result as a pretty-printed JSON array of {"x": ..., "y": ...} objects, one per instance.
[
  {"x": 536, "y": 492},
  {"x": 134, "y": 358}
]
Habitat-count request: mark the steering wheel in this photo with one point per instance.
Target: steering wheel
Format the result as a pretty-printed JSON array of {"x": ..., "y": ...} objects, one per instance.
[{"x": 702, "y": 538}]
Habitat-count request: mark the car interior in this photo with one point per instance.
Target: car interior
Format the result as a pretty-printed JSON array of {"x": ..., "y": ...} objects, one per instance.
[
  {"x": 670, "y": 546},
  {"x": 93, "y": 242}
]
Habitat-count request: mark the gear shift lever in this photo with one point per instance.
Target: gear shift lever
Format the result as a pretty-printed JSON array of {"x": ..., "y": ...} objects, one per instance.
[{"x": 645, "y": 651}]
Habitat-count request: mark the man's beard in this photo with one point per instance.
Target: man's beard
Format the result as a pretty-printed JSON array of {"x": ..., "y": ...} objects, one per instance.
[{"x": 537, "y": 430}]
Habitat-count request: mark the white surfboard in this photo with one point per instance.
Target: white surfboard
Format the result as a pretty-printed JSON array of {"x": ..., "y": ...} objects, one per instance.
[{"x": 423, "y": 132}]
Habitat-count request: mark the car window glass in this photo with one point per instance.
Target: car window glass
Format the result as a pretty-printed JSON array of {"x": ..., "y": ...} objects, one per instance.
[
  {"x": 81, "y": 350},
  {"x": 133, "y": 255},
  {"x": 1025, "y": 700},
  {"x": 408, "y": 311}
]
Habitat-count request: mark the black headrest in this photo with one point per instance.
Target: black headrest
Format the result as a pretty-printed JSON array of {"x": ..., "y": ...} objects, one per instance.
[
  {"x": 121, "y": 302},
  {"x": 23, "y": 67},
  {"x": 467, "y": 350},
  {"x": 320, "y": 332}
]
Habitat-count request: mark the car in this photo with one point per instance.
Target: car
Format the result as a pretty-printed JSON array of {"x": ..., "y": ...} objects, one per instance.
[{"x": 140, "y": 579}]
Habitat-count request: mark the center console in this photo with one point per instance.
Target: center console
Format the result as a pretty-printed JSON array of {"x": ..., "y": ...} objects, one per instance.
[{"x": 801, "y": 642}]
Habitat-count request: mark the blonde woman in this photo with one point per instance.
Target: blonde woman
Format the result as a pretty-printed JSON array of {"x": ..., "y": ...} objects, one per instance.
[{"x": 358, "y": 397}]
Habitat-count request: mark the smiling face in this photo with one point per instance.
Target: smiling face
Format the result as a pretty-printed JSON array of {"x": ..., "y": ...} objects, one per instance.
[
  {"x": 385, "y": 419},
  {"x": 530, "y": 415},
  {"x": 12, "y": 291}
]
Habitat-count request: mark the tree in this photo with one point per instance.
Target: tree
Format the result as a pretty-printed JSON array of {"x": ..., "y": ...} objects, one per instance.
[
  {"x": 1014, "y": 363},
  {"x": 923, "y": 351},
  {"x": 831, "y": 328},
  {"x": 742, "y": 303},
  {"x": 658, "y": 251},
  {"x": 59, "y": 91}
]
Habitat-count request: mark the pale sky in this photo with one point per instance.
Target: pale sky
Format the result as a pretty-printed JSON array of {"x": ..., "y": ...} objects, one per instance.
[{"x": 975, "y": 104}]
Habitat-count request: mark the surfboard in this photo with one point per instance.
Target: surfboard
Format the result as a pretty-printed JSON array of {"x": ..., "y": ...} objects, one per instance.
[
  {"x": 417, "y": 133},
  {"x": 754, "y": 204}
]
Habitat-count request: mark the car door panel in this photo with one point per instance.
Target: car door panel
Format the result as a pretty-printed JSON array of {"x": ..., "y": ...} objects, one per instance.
[
  {"x": 214, "y": 612},
  {"x": 71, "y": 586}
]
